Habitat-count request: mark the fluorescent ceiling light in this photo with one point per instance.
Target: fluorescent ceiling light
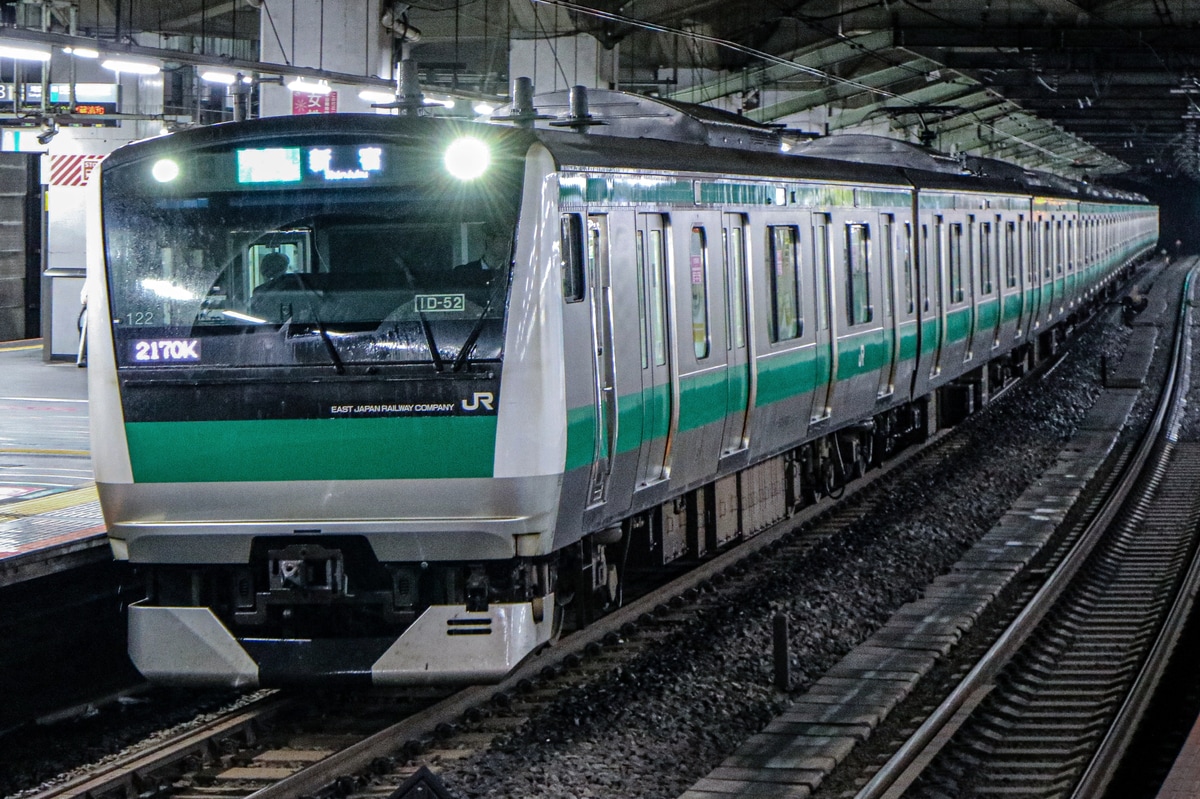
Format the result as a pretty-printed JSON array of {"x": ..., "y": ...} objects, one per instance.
[
  {"x": 376, "y": 96},
  {"x": 244, "y": 317},
  {"x": 309, "y": 86},
  {"x": 23, "y": 52},
  {"x": 82, "y": 52},
  {"x": 136, "y": 67},
  {"x": 214, "y": 76},
  {"x": 484, "y": 108}
]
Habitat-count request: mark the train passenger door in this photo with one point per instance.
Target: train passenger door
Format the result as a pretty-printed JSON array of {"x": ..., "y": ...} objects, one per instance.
[
  {"x": 701, "y": 368},
  {"x": 825, "y": 361},
  {"x": 658, "y": 393},
  {"x": 604, "y": 359},
  {"x": 740, "y": 386}
]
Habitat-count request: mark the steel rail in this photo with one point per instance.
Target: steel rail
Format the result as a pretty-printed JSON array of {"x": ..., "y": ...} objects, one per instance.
[
  {"x": 128, "y": 775},
  {"x": 903, "y": 767},
  {"x": 1108, "y": 757}
]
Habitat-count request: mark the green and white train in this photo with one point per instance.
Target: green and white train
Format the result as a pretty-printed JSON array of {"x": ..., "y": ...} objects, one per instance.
[{"x": 346, "y": 445}]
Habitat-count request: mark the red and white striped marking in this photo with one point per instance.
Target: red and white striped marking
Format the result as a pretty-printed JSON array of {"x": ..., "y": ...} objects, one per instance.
[{"x": 72, "y": 170}]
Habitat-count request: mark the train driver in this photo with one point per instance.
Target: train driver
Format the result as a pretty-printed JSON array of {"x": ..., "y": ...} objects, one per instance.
[
  {"x": 273, "y": 268},
  {"x": 492, "y": 261}
]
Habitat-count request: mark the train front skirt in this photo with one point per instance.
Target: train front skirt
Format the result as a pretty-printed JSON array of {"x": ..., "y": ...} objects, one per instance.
[{"x": 445, "y": 645}]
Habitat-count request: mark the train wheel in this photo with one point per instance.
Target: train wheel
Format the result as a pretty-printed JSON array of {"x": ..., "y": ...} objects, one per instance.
[
  {"x": 613, "y": 592},
  {"x": 830, "y": 483},
  {"x": 866, "y": 454}
]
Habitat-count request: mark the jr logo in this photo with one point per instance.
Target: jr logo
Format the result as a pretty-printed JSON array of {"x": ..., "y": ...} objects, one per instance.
[{"x": 482, "y": 399}]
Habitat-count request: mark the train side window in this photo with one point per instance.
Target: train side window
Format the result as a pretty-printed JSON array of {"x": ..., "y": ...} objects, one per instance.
[
  {"x": 985, "y": 257},
  {"x": 1010, "y": 254},
  {"x": 698, "y": 270},
  {"x": 658, "y": 289},
  {"x": 1047, "y": 256},
  {"x": 956, "y": 262},
  {"x": 887, "y": 263},
  {"x": 821, "y": 259},
  {"x": 858, "y": 273},
  {"x": 571, "y": 231},
  {"x": 1033, "y": 263},
  {"x": 1060, "y": 247},
  {"x": 910, "y": 298},
  {"x": 640, "y": 258},
  {"x": 932, "y": 252},
  {"x": 735, "y": 280},
  {"x": 785, "y": 322},
  {"x": 1071, "y": 245}
]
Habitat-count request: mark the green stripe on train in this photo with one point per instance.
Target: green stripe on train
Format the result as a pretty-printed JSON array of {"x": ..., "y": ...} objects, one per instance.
[{"x": 312, "y": 449}]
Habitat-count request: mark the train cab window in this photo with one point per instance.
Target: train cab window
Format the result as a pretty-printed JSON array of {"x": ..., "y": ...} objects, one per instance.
[
  {"x": 985, "y": 257},
  {"x": 698, "y": 271},
  {"x": 955, "y": 262},
  {"x": 785, "y": 321},
  {"x": 572, "y": 257},
  {"x": 1009, "y": 254},
  {"x": 858, "y": 274}
]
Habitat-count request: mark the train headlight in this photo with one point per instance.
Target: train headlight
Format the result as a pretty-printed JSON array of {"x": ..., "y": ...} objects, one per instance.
[
  {"x": 467, "y": 158},
  {"x": 165, "y": 170}
]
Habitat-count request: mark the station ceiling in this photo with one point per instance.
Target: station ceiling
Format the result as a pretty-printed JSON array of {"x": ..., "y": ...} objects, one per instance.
[{"x": 1074, "y": 86}]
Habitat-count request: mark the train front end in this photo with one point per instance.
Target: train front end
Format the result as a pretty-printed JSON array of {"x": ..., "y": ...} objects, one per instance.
[{"x": 325, "y": 400}]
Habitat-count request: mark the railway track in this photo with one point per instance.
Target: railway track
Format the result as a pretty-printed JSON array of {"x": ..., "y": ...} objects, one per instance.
[{"x": 1050, "y": 708}]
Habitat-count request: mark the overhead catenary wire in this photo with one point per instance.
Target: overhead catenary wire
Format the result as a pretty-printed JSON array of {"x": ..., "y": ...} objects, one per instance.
[{"x": 774, "y": 59}]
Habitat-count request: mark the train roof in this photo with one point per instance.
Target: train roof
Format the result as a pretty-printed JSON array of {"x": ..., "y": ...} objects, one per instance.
[
  {"x": 655, "y": 122},
  {"x": 880, "y": 150},
  {"x": 660, "y": 135},
  {"x": 634, "y": 116}
]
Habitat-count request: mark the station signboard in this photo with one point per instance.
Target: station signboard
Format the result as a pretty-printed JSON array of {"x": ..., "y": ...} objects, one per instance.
[
  {"x": 91, "y": 99},
  {"x": 305, "y": 103}
]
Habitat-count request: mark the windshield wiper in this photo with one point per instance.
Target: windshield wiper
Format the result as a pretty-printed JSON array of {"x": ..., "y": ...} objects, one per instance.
[
  {"x": 473, "y": 336},
  {"x": 438, "y": 364},
  {"x": 330, "y": 347},
  {"x": 338, "y": 366}
]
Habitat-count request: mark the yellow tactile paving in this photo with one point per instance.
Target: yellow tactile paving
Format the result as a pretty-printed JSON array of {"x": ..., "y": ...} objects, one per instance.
[{"x": 36, "y": 507}]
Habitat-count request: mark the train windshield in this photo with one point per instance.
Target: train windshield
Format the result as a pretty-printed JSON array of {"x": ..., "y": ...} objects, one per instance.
[{"x": 316, "y": 251}]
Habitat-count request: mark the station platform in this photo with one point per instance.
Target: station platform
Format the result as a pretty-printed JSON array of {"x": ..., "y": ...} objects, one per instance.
[
  {"x": 1183, "y": 781},
  {"x": 50, "y": 517}
]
